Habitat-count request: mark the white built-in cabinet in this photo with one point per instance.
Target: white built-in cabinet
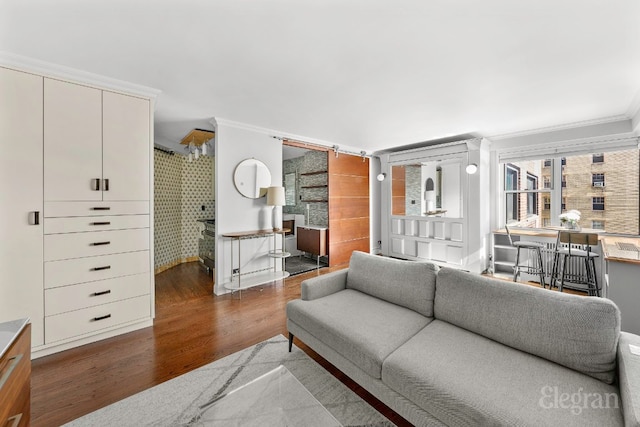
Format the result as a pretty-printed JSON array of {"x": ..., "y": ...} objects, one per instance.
[
  {"x": 21, "y": 228},
  {"x": 92, "y": 144},
  {"x": 80, "y": 156}
]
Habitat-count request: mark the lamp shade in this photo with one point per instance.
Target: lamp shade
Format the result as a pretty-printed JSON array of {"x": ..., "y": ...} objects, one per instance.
[{"x": 275, "y": 196}]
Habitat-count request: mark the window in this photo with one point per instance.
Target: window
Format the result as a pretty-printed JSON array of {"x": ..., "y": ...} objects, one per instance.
[
  {"x": 597, "y": 224},
  {"x": 578, "y": 184},
  {"x": 532, "y": 198},
  {"x": 511, "y": 179},
  {"x": 597, "y": 179},
  {"x": 598, "y": 203}
]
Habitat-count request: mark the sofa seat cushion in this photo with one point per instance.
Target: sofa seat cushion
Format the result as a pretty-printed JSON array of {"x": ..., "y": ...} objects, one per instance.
[
  {"x": 362, "y": 328},
  {"x": 466, "y": 379}
]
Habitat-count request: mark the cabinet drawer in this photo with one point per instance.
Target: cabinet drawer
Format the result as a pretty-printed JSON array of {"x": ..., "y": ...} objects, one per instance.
[
  {"x": 94, "y": 223},
  {"x": 62, "y": 209},
  {"x": 78, "y": 245},
  {"x": 81, "y": 270},
  {"x": 92, "y": 319},
  {"x": 84, "y": 295},
  {"x": 15, "y": 380}
]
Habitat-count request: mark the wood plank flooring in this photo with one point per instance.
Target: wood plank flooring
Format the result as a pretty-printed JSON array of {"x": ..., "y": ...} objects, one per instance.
[{"x": 192, "y": 328}]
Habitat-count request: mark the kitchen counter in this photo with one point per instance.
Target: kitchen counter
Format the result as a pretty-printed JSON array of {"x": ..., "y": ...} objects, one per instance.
[{"x": 9, "y": 331}]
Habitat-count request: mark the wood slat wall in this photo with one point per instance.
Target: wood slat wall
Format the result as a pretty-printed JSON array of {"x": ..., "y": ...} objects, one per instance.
[
  {"x": 398, "y": 190},
  {"x": 348, "y": 207}
]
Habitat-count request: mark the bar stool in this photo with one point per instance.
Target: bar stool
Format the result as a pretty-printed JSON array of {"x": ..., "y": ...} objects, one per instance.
[
  {"x": 536, "y": 247},
  {"x": 576, "y": 245}
]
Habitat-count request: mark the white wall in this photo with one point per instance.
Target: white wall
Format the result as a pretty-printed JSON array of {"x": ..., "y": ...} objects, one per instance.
[{"x": 235, "y": 213}]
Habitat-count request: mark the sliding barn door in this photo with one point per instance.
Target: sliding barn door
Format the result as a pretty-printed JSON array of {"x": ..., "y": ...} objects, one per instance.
[{"x": 348, "y": 206}]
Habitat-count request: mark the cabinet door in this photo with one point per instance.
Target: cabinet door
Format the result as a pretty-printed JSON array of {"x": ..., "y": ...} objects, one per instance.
[
  {"x": 72, "y": 141},
  {"x": 21, "y": 251},
  {"x": 126, "y": 147}
]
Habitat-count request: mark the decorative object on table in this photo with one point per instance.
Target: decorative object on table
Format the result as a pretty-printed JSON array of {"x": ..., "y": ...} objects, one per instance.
[
  {"x": 179, "y": 400},
  {"x": 570, "y": 219},
  {"x": 251, "y": 178},
  {"x": 430, "y": 195},
  {"x": 275, "y": 198}
]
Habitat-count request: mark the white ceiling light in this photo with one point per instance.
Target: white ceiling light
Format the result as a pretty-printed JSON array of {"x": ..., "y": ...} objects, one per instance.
[{"x": 471, "y": 168}]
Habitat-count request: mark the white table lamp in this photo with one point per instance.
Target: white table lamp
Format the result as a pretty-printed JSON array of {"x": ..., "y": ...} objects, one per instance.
[{"x": 275, "y": 198}]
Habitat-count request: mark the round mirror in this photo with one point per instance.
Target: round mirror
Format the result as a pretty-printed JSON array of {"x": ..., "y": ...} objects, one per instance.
[{"x": 252, "y": 177}]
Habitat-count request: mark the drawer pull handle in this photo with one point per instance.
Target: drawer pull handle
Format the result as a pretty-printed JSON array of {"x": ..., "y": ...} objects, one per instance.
[
  {"x": 97, "y": 294},
  {"x": 14, "y": 421},
  {"x": 106, "y": 267},
  {"x": 106, "y": 316},
  {"x": 100, "y": 223},
  {"x": 36, "y": 218},
  {"x": 97, "y": 184},
  {"x": 106, "y": 184},
  {"x": 12, "y": 362},
  {"x": 100, "y": 208},
  {"x": 100, "y": 243}
]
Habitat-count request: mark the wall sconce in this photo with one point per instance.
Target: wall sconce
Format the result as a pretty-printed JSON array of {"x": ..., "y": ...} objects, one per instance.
[
  {"x": 381, "y": 176},
  {"x": 471, "y": 168}
]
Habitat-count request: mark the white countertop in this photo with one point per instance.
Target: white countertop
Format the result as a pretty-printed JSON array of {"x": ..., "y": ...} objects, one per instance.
[
  {"x": 9, "y": 332},
  {"x": 312, "y": 227}
]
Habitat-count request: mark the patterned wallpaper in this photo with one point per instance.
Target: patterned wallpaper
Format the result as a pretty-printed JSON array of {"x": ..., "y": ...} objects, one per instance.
[{"x": 181, "y": 189}]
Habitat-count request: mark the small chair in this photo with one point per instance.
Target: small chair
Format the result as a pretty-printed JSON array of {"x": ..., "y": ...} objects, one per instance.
[
  {"x": 536, "y": 247},
  {"x": 576, "y": 245}
]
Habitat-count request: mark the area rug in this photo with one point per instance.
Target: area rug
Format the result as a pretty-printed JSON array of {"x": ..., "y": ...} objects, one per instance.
[
  {"x": 299, "y": 264},
  {"x": 177, "y": 402}
]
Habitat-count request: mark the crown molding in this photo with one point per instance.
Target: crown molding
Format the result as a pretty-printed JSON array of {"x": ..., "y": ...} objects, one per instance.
[
  {"x": 566, "y": 126},
  {"x": 48, "y": 69},
  {"x": 285, "y": 135}
]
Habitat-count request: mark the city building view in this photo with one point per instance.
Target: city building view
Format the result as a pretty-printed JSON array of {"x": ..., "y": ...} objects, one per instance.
[{"x": 603, "y": 187}]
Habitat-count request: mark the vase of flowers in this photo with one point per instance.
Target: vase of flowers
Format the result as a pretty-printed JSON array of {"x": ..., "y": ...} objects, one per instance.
[{"x": 570, "y": 219}]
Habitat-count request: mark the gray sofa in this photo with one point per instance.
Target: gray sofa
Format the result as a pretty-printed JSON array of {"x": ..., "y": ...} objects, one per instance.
[{"x": 447, "y": 347}]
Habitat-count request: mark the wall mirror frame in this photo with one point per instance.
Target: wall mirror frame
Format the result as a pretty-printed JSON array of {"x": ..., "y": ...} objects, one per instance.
[
  {"x": 252, "y": 178},
  {"x": 428, "y": 187}
]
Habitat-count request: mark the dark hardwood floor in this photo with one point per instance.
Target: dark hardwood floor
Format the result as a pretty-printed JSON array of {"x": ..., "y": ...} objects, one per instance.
[{"x": 192, "y": 328}]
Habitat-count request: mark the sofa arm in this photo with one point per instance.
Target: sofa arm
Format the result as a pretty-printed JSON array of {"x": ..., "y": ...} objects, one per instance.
[
  {"x": 629, "y": 378},
  {"x": 322, "y": 286}
]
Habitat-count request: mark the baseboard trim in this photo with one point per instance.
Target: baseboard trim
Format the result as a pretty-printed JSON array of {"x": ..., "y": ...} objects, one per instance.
[{"x": 172, "y": 264}]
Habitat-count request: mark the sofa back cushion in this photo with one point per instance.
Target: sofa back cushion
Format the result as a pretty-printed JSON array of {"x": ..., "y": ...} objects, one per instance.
[
  {"x": 578, "y": 332},
  {"x": 406, "y": 283}
]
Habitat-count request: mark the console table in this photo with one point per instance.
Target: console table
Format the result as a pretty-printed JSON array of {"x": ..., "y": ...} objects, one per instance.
[{"x": 238, "y": 283}]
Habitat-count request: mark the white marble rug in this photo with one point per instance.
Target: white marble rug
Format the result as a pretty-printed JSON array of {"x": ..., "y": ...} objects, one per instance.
[{"x": 177, "y": 402}]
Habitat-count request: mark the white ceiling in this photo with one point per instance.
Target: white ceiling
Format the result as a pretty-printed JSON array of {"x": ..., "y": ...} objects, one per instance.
[{"x": 370, "y": 74}]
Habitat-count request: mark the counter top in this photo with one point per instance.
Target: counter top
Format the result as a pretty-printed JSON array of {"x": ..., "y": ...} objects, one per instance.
[
  {"x": 312, "y": 227},
  {"x": 9, "y": 331},
  {"x": 615, "y": 252},
  {"x": 545, "y": 232}
]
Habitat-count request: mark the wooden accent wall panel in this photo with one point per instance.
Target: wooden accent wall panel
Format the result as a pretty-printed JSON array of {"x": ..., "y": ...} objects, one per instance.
[
  {"x": 398, "y": 190},
  {"x": 348, "y": 207}
]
